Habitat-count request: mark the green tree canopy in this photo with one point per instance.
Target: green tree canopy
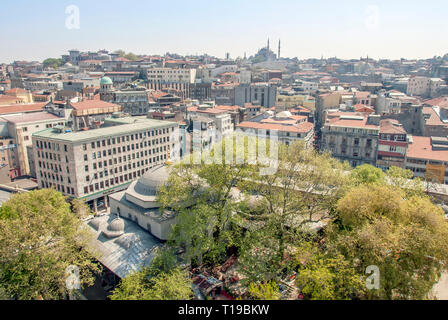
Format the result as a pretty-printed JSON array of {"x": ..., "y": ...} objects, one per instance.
[
  {"x": 407, "y": 238},
  {"x": 39, "y": 238},
  {"x": 52, "y": 63},
  {"x": 162, "y": 280}
]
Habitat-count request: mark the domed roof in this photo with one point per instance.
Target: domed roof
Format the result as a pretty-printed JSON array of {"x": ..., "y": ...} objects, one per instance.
[
  {"x": 284, "y": 114},
  {"x": 116, "y": 225},
  {"x": 115, "y": 228},
  {"x": 152, "y": 181},
  {"x": 106, "y": 80}
]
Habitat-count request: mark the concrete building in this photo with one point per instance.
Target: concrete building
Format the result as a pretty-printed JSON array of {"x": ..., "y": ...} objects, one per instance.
[
  {"x": 20, "y": 128},
  {"x": 93, "y": 164},
  {"x": 221, "y": 117},
  {"x": 159, "y": 76},
  {"x": 427, "y": 158},
  {"x": 138, "y": 203},
  {"x": 352, "y": 138},
  {"x": 392, "y": 145},
  {"x": 289, "y": 128},
  {"x": 424, "y": 86},
  {"x": 133, "y": 101},
  {"x": 262, "y": 94},
  {"x": 325, "y": 102},
  {"x": 223, "y": 93}
]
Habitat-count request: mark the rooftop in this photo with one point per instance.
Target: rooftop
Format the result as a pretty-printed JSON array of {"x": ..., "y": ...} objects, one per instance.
[
  {"x": 421, "y": 148},
  {"x": 126, "y": 253},
  {"x": 130, "y": 125},
  {"x": 30, "y": 117},
  {"x": 303, "y": 127}
]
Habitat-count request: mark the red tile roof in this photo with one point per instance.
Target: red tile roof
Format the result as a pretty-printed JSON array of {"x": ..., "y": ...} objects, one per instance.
[
  {"x": 15, "y": 91},
  {"x": 441, "y": 102},
  {"x": 18, "y": 108},
  {"x": 434, "y": 119},
  {"x": 421, "y": 148},
  {"x": 351, "y": 123},
  {"x": 209, "y": 110},
  {"x": 92, "y": 104},
  {"x": 390, "y": 126}
]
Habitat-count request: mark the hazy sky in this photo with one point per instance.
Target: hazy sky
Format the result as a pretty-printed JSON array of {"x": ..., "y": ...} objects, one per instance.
[{"x": 35, "y": 30}]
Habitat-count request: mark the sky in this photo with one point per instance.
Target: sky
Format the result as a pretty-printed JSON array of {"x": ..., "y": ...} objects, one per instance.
[{"x": 36, "y": 30}]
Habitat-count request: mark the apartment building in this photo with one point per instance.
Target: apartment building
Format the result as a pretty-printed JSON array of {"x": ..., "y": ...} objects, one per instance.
[
  {"x": 392, "y": 145},
  {"x": 427, "y": 158},
  {"x": 424, "y": 86},
  {"x": 20, "y": 128},
  {"x": 288, "y": 128},
  {"x": 259, "y": 93},
  {"x": 221, "y": 118},
  {"x": 352, "y": 138},
  {"x": 170, "y": 75},
  {"x": 92, "y": 164}
]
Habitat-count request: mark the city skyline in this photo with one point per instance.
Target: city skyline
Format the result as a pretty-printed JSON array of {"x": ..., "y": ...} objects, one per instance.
[{"x": 377, "y": 29}]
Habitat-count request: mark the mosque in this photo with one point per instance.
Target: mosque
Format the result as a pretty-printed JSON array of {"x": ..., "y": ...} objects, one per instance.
[{"x": 138, "y": 203}]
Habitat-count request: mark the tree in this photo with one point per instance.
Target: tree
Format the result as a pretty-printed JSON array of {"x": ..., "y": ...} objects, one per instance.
[
  {"x": 52, "y": 63},
  {"x": 131, "y": 56},
  {"x": 300, "y": 195},
  {"x": 326, "y": 276},
  {"x": 267, "y": 291},
  {"x": 366, "y": 174},
  {"x": 405, "y": 237},
  {"x": 203, "y": 195},
  {"x": 162, "y": 280},
  {"x": 39, "y": 239}
]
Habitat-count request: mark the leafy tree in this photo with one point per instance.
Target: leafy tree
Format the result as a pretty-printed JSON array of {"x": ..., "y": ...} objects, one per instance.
[
  {"x": 203, "y": 194},
  {"x": 174, "y": 285},
  {"x": 366, "y": 174},
  {"x": 131, "y": 56},
  {"x": 407, "y": 238},
  {"x": 266, "y": 291},
  {"x": 52, "y": 63},
  {"x": 39, "y": 238},
  {"x": 298, "y": 196},
  {"x": 162, "y": 280},
  {"x": 326, "y": 276}
]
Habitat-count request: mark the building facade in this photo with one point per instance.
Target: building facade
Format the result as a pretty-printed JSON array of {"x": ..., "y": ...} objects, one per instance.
[{"x": 92, "y": 164}]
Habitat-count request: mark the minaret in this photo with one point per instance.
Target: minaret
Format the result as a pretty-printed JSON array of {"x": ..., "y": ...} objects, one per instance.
[
  {"x": 268, "y": 45},
  {"x": 279, "y": 46}
]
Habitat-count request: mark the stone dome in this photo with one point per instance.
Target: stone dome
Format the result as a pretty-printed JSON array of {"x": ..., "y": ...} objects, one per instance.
[
  {"x": 105, "y": 81},
  {"x": 152, "y": 181},
  {"x": 115, "y": 228},
  {"x": 284, "y": 114},
  {"x": 116, "y": 225}
]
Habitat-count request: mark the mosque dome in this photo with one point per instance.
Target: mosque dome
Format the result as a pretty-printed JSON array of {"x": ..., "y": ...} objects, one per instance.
[
  {"x": 106, "y": 80},
  {"x": 284, "y": 114},
  {"x": 151, "y": 181},
  {"x": 116, "y": 225},
  {"x": 115, "y": 228}
]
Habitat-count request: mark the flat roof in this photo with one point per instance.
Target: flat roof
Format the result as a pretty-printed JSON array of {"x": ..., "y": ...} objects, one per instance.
[{"x": 129, "y": 126}]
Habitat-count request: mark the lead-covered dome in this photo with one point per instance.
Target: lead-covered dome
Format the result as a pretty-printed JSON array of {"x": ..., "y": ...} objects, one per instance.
[
  {"x": 106, "y": 80},
  {"x": 151, "y": 181}
]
